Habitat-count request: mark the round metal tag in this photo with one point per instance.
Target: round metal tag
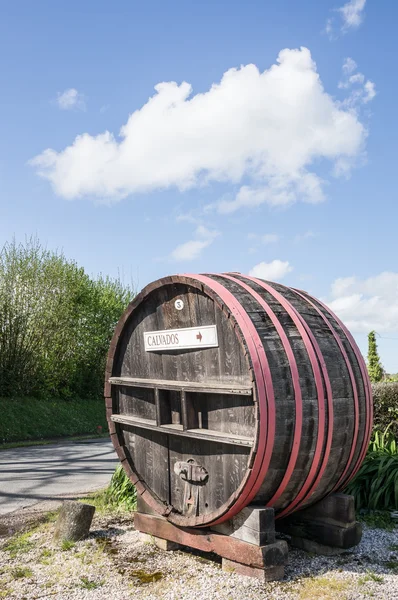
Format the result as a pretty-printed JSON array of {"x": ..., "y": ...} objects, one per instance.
[{"x": 179, "y": 304}]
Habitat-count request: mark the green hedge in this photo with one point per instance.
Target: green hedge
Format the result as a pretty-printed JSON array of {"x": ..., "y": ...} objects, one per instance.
[
  {"x": 34, "y": 419},
  {"x": 385, "y": 400}
]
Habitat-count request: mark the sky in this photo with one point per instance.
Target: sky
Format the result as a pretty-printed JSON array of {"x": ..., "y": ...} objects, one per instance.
[{"x": 147, "y": 139}]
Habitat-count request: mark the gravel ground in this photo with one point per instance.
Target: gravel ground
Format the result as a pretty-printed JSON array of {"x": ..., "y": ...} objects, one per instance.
[{"x": 113, "y": 563}]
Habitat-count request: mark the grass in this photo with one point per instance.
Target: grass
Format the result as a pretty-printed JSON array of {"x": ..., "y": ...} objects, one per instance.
[
  {"x": 59, "y": 440},
  {"x": 21, "y": 572},
  {"x": 394, "y": 547},
  {"x": 30, "y": 419},
  {"x": 370, "y": 576},
  {"x": 88, "y": 584},
  {"x": 323, "y": 588},
  {"x": 46, "y": 556},
  {"x": 67, "y": 545},
  {"x": 377, "y": 519},
  {"x": 20, "y": 544}
]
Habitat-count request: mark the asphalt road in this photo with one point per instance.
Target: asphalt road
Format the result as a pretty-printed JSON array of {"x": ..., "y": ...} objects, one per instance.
[{"x": 32, "y": 474}]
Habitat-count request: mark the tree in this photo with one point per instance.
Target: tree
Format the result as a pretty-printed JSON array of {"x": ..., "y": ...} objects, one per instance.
[
  {"x": 56, "y": 323},
  {"x": 375, "y": 369}
]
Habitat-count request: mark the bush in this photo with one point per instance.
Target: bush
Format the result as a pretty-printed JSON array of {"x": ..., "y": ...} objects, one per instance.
[
  {"x": 385, "y": 400},
  {"x": 375, "y": 485},
  {"x": 55, "y": 324}
]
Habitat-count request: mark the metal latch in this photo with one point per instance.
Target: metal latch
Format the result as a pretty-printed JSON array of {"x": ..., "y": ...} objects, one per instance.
[{"x": 190, "y": 471}]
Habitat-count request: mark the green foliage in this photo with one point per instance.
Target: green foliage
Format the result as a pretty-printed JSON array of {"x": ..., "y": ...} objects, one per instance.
[
  {"x": 377, "y": 519},
  {"x": 370, "y": 576},
  {"x": 375, "y": 368},
  {"x": 67, "y": 545},
  {"x": 121, "y": 491},
  {"x": 375, "y": 486},
  {"x": 21, "y": 572},
  {"x": 89, "y": 584},
  {"x": 385, "y": 402},
  {"x": 390, "y": 377},
  {"x": 34, "y": 418},
  {"x": 383, "y": 443},
  {"x": 119, "y": 495},
  {"x": 20, "y": 544},
  {"x": 55, "y": 323}
]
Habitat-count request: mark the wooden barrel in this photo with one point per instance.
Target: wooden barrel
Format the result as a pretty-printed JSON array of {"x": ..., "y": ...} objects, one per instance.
[{"x": 224, "y": 390}]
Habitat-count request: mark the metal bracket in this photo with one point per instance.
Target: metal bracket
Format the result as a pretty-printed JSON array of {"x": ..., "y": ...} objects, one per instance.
[{"x": 190, "y": 471}]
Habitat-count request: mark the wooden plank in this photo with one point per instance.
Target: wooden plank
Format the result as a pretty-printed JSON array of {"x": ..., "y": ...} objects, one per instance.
[
  {"x": 190, "y": 416},
  {"x": 150, "y": 455},
  {"x": 128, "y": 420},
  {"x": 203, "y": 434},
  {"x": 252, "y": 524},
  {"x": 274, "y": 573},
  {"x": 189, "y": 386},
  {"x": 158, "y": 408},
  {"x": 208, "y": 541}
]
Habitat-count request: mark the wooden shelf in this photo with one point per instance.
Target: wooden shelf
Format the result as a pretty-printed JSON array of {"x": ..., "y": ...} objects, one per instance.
[
  {"x": 188, "y": 386},
  {"x": 199, "y": 434}
]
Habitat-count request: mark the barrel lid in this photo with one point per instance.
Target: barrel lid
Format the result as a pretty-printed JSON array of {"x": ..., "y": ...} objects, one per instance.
[{"x": 182, "y": 402}]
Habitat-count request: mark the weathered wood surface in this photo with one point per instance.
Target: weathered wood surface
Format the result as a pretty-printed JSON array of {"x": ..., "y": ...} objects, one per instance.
[
  {"x": 328, "y": 524},
  {"x": 200, "y": 403},
  {"x": 231, "y": 548},
  {"x": 190, "y": 386},
  {"x": 199, "y": 434},
  {"x": 74, "y": 521},
  {"x": 172, "y": 406},
  {"x": 264, "y": 575},
  {"x": 253, "y": 525}
]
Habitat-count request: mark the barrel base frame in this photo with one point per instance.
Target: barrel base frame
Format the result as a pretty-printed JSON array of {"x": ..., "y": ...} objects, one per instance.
[
  {"x": 246, "y": 544},
  {"x": 327, "y": 528}
]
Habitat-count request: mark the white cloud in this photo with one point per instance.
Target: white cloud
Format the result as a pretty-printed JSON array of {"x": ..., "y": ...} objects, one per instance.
[
  {"x": 273, "y": 271},
  {"x": 193, "y": 248},
  {"x": 267, "y": 129},
  {"x": 362, "y": 91},
  {"x": 370, "y": 91},
  {"x": 71, "y": 99},
  {"x": 352, "y": 13},
  {"x": 349, "y": 66},
  {"x": 367, "y": 304},
  {"x": 350, "y": 16}
]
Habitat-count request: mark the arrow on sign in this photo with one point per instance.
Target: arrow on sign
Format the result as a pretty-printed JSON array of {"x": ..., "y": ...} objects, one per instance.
[{"x": 199, "y": 336}]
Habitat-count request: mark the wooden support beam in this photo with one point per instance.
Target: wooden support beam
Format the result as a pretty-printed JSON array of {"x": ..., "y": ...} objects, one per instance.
[
  {"x": 199, "y": 434},
  {"x": 251, "y": 555},
  {"x": 328, "y": 527},
  {"x": 252, "y": 524},
  {"x": 190, "y": 386}
]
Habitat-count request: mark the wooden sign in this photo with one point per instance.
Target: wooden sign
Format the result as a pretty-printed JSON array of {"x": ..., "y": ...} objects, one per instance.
[{"x": 181, "y": 339}]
